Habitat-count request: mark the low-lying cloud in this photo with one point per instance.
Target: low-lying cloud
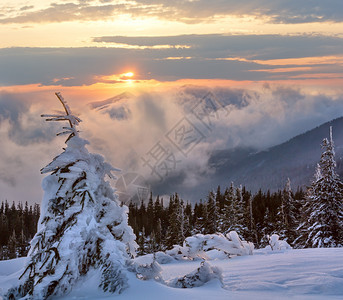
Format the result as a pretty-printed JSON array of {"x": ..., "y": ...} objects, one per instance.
[
  {"x": 225, "y": 117},
  {"x": 134, "y": 132},
  {"x": 23, "y": 128}
]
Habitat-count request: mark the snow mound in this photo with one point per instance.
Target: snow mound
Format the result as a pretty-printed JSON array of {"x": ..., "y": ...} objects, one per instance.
[
  {"x": 275, "y": 244},
  {"x": 163, "y": 258},
  {"x": 302, "y": 274},
  {"x": 146, "y": 267},
  {"x": 198, "y": 245},
  {"x": 197, "y": 278}
]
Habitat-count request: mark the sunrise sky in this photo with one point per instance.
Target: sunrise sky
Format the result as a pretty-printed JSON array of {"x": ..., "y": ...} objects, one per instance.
[{"x": 285, "y": 58}]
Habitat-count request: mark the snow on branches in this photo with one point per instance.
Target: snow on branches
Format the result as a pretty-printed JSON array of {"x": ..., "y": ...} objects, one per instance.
[
  {"x": 323, "y": 209},
  {"x": 82, "y": 226},
  {"x": 198, "y": 277},
  {"x": 197, "y": 245},
  {"x": 65, "y": 116}
]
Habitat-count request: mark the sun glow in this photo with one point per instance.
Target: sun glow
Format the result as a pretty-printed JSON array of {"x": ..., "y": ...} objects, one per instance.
[
  {"x": 128, "y": 74},
  {"x": 127, "y": 78}
]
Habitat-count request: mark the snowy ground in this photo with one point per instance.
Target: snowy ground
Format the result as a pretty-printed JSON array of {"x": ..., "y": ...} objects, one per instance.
[{"x": 293, "y": 274}]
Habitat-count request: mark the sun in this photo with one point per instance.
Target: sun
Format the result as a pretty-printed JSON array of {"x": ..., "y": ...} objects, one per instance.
[
  {"x": 127, "y": 77},
  {"x": 128, "y": 74}
]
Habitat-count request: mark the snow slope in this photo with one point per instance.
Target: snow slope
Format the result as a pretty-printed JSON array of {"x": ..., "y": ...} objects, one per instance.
[{"x": 292, "y": 274}]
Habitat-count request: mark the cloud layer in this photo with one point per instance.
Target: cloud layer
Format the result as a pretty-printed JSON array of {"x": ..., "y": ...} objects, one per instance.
[
  {"x": 22, "y": 126},
  {"x": 202, "y": 57},
  {"x": 277, "y": 11}
]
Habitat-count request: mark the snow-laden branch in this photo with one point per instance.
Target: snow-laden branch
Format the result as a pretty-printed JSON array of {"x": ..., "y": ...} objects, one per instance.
[{"x": 68, "y": 116}]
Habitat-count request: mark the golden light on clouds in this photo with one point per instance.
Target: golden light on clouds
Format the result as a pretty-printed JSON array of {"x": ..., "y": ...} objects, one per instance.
[
  {"x": 173, "y": 41},
  {"x": 116, "y": 78},
  {"x": 318, "y": 60},
  {"x": 127, "y": 78}
]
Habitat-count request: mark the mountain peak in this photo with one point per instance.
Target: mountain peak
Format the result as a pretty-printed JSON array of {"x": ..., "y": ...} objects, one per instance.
[{"x": 99, "y": 105}]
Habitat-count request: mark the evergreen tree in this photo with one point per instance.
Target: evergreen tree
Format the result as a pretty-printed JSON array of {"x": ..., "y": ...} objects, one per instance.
[
  {"x": 149, "y": 216},
  {"x": 212, "y": 215},
  {"x": 158, "y": 236},
  {"x": 228, "y": 218},
  {"x": 187, "y": 226},
  {"x": 267, "y": 228},
  {"x": 305, "y": 207},
  {"x": 151, "y": 245},
  {"x": 181, "y": 221},
  {"x": 81, "y": 227},
  {"x": 141, "y": 216},
  {"x": 252, "y": 225},
  {"x": 158, "y": 212},
  {"x": 175, "y": 233},
  {"x": 12, "y": 246},
  {"x": 200, "y": 218},
  {"x": 323, "y": 224},
  {"x": 22, "y": 244},
  {"x": 141, "y": 241},
  {"x": 133, "y": 217},
  {"x": 238, "y": 223},
  {"x": 219, "y": 200},
  {"x": 4, "y": 228},
  {"x": 286, "y": 222},
  {"x": 188, "y": 212}
]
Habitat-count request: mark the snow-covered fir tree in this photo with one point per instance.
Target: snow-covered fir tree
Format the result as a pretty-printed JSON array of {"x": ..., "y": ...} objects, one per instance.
[
  {"x": 286, "y": 215},
  {"x": 231, "y": 216},
  {"x": 212, "y": 214},
  {"x": 250, "y": 233},
  {"x": 238, "y": 213},
  {"x": 266, "y": 229},
  {"x": 305, "y": 207},
  {"x": 176, "y": 230},
  {"x": 82, "y": 227},
  {"x": 12, "y": 246},
  {"x": 323, "y": 210},
  {"x": 226, "y": 217},
  {"x": 142, "y": 242},
  {"x": 150, "y": 216},
  {"x": 200, "y": 218},
  {"x": 187, "y": 229},
  {"x": 158, "y": 235}
]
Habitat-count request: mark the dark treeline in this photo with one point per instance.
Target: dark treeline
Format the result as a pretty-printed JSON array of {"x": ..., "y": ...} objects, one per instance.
[
  {"x": 18, "y": 225},
  {"x": 159, "y": 225}
]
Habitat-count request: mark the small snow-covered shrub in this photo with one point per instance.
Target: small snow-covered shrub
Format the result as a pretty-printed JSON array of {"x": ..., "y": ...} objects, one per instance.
[
  {"x": 275, "y": 244},
  {"x": 199, "y": 277},
  {"x": 148, "y": 271},
  {"x": 178, "y": 252},
  {"x": 163, "y": 258},
  {"x": 197, "y": 245},
  {"x": 146, "y": 267}
]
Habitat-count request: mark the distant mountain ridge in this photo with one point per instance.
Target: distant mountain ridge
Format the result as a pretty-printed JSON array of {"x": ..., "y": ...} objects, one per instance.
[
  {"x": 270, "y": 169},
  {"x": 104, "y": 104}
]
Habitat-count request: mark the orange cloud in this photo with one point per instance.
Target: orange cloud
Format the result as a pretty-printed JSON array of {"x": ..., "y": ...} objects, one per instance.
[
  {"x": 314, "y": 60},
  {"x": 282, "y": 70}
]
